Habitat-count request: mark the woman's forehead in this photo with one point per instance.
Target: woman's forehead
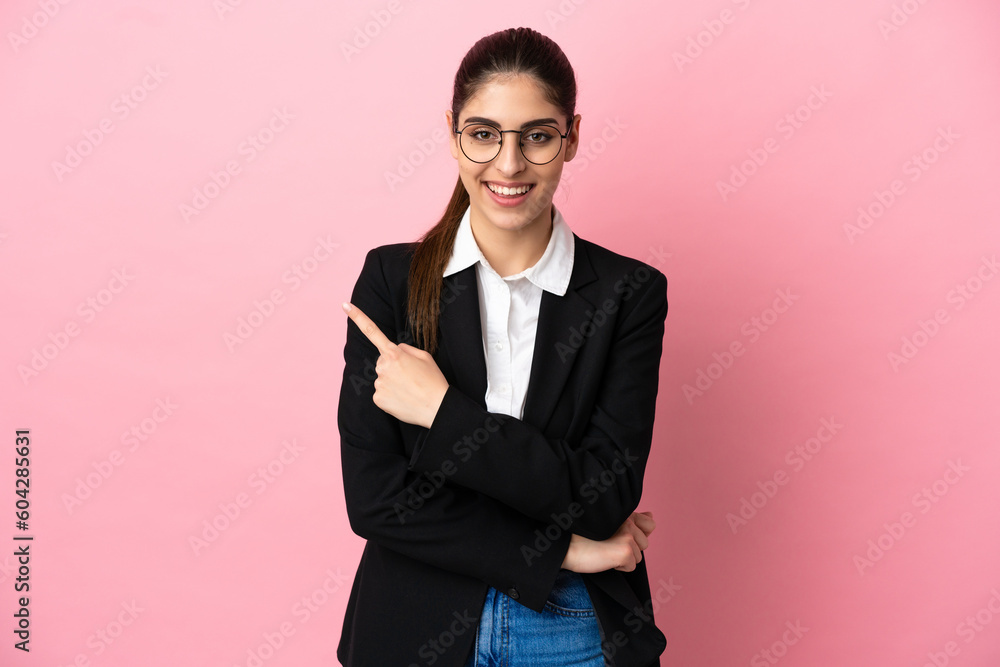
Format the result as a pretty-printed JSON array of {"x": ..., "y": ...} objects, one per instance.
[{"x": 510, "y": 101}]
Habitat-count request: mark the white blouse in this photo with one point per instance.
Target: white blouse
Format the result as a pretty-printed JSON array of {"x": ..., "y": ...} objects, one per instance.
[{"x": 508, "y": 308}]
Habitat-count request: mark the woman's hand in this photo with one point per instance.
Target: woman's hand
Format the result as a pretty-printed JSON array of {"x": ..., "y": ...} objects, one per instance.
[
  {"x": 409, "y": 386},
  {"x": 622, "y": 551}
]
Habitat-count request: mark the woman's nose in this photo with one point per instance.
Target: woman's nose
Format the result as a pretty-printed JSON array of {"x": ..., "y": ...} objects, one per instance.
[{"x": 510, "y": 160}]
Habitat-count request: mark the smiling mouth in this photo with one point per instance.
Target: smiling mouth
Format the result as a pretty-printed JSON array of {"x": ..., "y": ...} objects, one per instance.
[{"x": 509, "y": 192}]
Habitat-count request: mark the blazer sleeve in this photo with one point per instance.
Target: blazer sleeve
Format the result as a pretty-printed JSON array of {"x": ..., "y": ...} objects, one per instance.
[
  {"x": 595, "y": 480},
  {"x": 420, "y": 514}
]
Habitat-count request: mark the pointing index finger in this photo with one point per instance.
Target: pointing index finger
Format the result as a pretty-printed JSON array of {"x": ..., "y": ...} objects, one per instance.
[{"x": 368, "y": 328}]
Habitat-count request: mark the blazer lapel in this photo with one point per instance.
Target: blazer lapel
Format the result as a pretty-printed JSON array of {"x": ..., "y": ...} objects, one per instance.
[{"x": 462, "y": 356}]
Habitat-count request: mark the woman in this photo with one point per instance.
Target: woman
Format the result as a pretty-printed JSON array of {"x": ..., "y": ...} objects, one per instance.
[{"x": 493, "y": 455}]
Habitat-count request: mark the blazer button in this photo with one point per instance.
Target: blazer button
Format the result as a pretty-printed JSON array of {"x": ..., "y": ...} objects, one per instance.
[{"x": 513, "y": 594}]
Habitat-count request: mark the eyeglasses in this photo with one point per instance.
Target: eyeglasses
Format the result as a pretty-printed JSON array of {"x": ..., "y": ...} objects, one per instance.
[{"x": 539, "y": 144}]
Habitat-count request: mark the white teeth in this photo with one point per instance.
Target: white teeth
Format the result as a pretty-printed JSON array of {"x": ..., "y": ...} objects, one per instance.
[{"x": 508, "y": 191}]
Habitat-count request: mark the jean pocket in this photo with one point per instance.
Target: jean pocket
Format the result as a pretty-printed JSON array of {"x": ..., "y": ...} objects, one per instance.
[{"x": 569, "y": 596}]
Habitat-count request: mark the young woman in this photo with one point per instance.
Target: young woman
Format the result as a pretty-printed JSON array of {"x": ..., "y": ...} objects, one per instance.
[{"x": 493, "y": 455}]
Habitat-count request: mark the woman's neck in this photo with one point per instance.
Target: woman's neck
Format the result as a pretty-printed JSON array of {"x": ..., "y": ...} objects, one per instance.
[{"x": 511, "y": 251}]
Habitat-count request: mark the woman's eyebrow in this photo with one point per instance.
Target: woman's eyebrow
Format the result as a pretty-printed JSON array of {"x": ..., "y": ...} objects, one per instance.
[{"x": 489, "y": 121}]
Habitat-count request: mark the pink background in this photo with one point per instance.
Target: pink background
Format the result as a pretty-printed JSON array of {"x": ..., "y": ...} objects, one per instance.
[{"x": 158, "y": 98}]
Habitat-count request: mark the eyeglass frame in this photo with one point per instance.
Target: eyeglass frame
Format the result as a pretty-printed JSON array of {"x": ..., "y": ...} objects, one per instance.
[{"x": 520, "y": 144}]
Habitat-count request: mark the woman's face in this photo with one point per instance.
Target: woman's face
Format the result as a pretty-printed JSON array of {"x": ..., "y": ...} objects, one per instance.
[{"x": 509, "y": 103}]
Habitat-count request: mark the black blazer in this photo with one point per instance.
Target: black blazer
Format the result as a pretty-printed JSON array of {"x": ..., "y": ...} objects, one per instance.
[{"x": 484, "y": 499}]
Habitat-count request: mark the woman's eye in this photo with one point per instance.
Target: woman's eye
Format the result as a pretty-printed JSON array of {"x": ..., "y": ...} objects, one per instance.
[
  {"x": 537, "y": 136},
  {"x": 482, "y": 134}
]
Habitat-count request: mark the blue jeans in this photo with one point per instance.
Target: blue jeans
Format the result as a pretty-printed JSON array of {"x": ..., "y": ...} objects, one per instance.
[{"x": 565, "y": 633}]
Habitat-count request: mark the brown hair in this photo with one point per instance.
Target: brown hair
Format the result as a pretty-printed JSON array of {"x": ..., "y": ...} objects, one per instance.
[{"x": 504, "y": 53}]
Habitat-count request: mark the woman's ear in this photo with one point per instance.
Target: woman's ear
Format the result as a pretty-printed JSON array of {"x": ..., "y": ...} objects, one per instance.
[
  {"x": 573, "y": 138},
  {"x": 452, "y": 137}
]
